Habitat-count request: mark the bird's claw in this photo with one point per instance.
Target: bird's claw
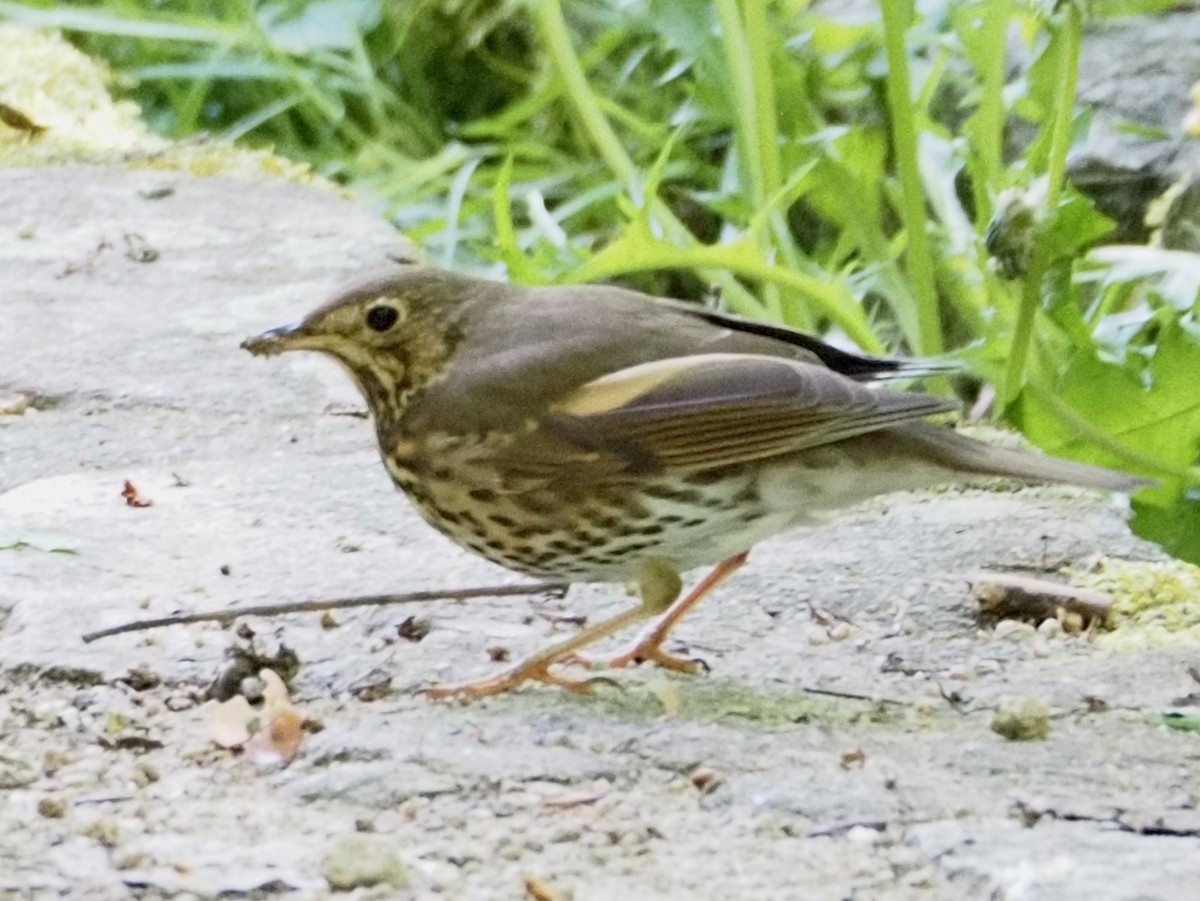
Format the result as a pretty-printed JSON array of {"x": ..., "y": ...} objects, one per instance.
[
  {"x": 512, "y": 679},
  {"x": 641, "y": 653}
]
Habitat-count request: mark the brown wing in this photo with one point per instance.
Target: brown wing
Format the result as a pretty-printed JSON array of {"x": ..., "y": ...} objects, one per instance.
[{"x": 704, "y": 411}]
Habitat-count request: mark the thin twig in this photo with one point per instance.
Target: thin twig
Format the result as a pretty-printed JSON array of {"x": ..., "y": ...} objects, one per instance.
[
  {"x": 319, "y": 604},
  {"x": 852, "y": 696}
]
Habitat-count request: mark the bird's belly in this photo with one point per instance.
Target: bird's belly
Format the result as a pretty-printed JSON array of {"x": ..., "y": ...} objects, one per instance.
[{"x": 596, "y": 532}]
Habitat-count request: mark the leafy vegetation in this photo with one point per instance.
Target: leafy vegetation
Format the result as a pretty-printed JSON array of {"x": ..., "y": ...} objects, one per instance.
[{"x": 848, "y": 177}]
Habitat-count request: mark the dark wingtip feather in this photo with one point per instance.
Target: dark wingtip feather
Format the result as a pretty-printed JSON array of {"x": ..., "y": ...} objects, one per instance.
[{"x": 860, "y": 367}]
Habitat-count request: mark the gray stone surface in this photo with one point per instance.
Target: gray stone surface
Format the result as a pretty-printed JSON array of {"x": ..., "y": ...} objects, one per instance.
[{"x": 135, "y": 373}]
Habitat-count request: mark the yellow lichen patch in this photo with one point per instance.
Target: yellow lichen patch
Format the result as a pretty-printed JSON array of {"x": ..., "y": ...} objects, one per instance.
[
  {"x": 1154, "y": 603},
  {"x": 50, "y": 83}
]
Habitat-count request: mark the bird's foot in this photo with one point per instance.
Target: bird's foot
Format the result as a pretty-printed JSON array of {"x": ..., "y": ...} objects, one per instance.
[
  {"x": 531, "y": 670},
  {"x": 643, "y": 650}
]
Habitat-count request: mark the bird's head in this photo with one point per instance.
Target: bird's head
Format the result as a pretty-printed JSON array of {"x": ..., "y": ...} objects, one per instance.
[{"x": 393, "y": 330}]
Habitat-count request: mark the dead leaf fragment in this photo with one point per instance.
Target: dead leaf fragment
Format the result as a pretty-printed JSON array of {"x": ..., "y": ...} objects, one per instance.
[
  {"x": 15, "y": 405},
  {"x": 133, "y": 497},
  {"x": 567, "y": 800},
  {"x": 279, "y": 742},
  {"x": 539, "y": 890},
  {"x": 374, "y": 690},
  {"x": 706, "y": 779},
  {"x": 267, "y": 737},
  {"x": 141, "y": 678},
  {"x": 854, "y": 760},
  {"x": 233, "y": 721}
]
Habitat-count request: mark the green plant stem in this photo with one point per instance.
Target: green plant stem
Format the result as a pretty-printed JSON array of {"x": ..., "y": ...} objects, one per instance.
[
  {"x": 989, "y": 134},
  {"x": 740, "y": 63},
  {"x": 556, "y": 37},
  {"x": 750, "y": 76},
  {"x": 557, "y": 40},
  {"x": 766, "y": 117},
  {"x": 928, "y": 339},
  {"x": 1031, "y": 299},
  {"x": 766, "y": 113},
  {"x": 1064, "y": 116},
  {"x": 843, "y": 311},
  {"x": 1070, "y": 31}
]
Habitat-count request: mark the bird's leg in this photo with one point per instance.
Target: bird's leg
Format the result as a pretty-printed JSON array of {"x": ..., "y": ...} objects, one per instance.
[
  {"x": 659, "y": 586},
  {"x": 647, "y": 646}
]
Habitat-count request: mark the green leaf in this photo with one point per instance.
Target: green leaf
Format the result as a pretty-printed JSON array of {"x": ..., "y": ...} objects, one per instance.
[
  {"x": 1173, "y": 720},
  {"x": 1173, "y": 525},
  {"x": 509, "y": 252},
  {"x": 1153, "y": 415},
  {"x": 1075, "y": 226}
]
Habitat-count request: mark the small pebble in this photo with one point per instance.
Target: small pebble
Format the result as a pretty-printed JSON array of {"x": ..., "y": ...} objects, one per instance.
[
  {"x": 1050, "y": 629},
  {"x": 1026, "y": 720},
  {"x": 839, "y": 631},
  {"x": 177, "y": 703},
  {"x": 1013, "y": 630},
  {"x": 862, "y": 835},
  {"x": 144, "y": 774},
  {"x": 51, "y": 808},
  {"x": 362, "y": 861},
  {"x": 104, "y": 831},
  {"x": 706, "y": 779},
  {"x": 252, "y": 688},
  {"x": 816, "y": 635}
]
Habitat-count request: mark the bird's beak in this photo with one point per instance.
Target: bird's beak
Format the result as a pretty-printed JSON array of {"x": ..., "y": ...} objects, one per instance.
[{"x": 277, "y": 340}]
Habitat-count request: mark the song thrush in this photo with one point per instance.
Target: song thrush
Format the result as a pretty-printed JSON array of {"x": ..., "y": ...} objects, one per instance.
[{"x": 590, "y": 433}]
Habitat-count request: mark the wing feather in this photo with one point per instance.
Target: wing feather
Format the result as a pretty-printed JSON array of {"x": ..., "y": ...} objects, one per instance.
[{"x": 714, "y": 410}]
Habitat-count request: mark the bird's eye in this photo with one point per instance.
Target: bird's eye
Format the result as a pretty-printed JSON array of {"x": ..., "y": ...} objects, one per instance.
[{"x": 382, "y": 317}]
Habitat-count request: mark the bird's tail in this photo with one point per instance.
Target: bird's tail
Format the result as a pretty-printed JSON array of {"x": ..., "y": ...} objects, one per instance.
[{"x": 958, "y": 452}]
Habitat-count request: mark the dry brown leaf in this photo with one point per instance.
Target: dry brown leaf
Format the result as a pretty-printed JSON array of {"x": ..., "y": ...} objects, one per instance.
[
  {"x": 268, "y": 737},
  {"x": 133, "y": 497},
  {"x": 278, "y": 742}
]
